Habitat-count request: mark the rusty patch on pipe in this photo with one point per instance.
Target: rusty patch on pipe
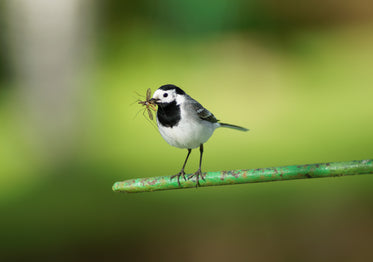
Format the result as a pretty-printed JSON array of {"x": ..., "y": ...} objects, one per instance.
[
  {"x": 235, "y": 174},
  {"x": 223, "y": 175}
]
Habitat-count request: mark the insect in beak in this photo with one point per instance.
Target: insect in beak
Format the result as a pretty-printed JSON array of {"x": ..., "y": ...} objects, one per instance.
[
  {"x": 153, "y": 101},
  {"x": 149, "y": 103}
]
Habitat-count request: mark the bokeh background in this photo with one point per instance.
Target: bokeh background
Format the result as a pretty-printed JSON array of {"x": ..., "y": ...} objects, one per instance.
[{"x": 299, "y": 74}]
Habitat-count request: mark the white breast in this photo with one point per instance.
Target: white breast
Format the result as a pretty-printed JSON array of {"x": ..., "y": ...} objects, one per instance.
[{"x": 190, "y": 133}]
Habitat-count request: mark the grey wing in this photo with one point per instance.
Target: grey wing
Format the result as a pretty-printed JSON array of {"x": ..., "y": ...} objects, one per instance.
[{"x": 202, "y": 112}]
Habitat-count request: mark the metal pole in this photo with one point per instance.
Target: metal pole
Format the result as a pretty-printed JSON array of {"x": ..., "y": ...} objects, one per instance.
[{"x": 220, "y": 178}]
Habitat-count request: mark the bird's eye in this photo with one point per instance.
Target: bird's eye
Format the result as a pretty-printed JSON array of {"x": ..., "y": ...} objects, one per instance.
[{"x": 165, "y": 95}]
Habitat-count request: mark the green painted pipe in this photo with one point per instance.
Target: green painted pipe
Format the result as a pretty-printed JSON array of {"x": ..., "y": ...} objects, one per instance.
[{"x": 220, "y": 178}]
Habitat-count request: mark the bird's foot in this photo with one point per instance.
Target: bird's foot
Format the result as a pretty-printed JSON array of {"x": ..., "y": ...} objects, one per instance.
[
  {"x": 198, "y": 175},
  {"x": 178, "y": 175}
]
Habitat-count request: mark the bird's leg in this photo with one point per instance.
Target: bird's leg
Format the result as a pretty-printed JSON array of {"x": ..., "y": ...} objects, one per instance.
[
  {"x": 182, "y": 173},
  {"x": 198, "y": 174}
]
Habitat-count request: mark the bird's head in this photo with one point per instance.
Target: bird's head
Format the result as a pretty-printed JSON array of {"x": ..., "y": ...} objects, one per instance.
[{"x": 168, "y": 94}]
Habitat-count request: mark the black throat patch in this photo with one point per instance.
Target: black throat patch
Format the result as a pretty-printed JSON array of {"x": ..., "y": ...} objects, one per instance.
[{"x": 168, "y": 114}]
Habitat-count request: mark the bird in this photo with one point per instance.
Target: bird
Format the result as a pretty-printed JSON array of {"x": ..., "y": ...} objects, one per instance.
[{"x": 185, "y": 123}]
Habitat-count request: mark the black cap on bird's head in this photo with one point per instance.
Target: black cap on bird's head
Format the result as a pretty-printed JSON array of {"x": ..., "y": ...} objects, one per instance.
[
  {"x": 178, "y": 90},
  {"x": 167, "y": 94}
]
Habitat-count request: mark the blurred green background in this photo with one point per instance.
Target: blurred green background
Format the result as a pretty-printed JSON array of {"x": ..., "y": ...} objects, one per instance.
[{"x": 299, "y": 74}]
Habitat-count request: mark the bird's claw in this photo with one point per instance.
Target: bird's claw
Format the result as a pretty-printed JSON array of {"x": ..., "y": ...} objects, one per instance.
[
  {"x": 198, "y": 175},
  {"x": 178, "y": 175}
]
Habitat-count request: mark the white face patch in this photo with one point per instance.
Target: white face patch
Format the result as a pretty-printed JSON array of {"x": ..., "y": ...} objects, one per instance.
[{"x": 167, "y": 96}]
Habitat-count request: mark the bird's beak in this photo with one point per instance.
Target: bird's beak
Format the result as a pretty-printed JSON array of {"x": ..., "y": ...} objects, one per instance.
[{"x": 153, "y": 101}]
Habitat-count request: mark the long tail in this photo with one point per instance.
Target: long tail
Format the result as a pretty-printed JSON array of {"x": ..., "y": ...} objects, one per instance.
[{"x": 233, "y": 127}]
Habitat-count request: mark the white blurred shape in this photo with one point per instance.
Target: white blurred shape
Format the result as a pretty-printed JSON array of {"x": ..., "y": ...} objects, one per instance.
[{"x": 49, "y": 42}]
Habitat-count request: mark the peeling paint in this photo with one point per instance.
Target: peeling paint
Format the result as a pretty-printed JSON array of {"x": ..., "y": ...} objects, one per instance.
[
  {"x": 236, "y": 174},
  {"x": 319, "y": 170}
]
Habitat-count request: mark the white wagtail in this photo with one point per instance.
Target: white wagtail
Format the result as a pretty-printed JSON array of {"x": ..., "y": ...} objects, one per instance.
[{"x": 185, "y": 123}]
